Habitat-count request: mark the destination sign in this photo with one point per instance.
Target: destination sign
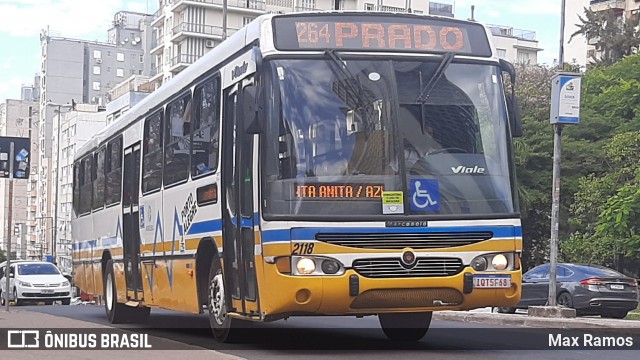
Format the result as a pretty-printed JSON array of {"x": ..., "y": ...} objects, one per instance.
[
  {"x": 389, "y": 33},
  {"x": 344, "y": 191}
]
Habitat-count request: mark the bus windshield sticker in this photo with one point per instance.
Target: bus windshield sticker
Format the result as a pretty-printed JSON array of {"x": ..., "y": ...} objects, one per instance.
[
  {"x": 425, "y": 195},
  {"x": 404, "y": 33},
  {"x": 392, "y": 202},
  {"x": 342, "y": 191}
]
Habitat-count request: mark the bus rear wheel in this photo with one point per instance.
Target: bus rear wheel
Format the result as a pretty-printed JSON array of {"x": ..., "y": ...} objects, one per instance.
[
  {"x": 116, "y": 312},
  {"x": 405, "y": 326},
  {"x": 221, "y": 324}
]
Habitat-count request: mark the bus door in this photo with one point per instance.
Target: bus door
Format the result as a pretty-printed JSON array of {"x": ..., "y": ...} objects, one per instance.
[
  {"x": 237, "y": 209},
  {"x": 131, "y": 222}
]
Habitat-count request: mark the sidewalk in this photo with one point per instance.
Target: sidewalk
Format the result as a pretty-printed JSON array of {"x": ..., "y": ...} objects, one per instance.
[
  {"x": 631, "y": 327},
  {"x": 16, "y": 319}
]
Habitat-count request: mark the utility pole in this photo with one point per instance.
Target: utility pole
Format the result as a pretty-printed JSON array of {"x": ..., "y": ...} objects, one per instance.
[{"x": 224, "y": 20}]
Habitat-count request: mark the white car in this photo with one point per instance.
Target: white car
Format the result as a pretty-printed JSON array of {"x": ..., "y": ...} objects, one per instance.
[{"x": 34, "y": 281}]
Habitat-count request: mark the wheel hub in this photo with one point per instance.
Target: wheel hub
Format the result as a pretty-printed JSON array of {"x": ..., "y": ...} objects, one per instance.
[
  {"x": 109, "y": 292},
  {"x": 216, "y": 299}
]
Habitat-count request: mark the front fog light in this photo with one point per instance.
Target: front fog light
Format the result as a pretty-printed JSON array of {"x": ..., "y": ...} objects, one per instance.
[
  {"x": 330, "y": 267},
  {"x": 306, "y": 266},
  {"x": 499, "y": 262},
  {"x": 479, "y": 264}
]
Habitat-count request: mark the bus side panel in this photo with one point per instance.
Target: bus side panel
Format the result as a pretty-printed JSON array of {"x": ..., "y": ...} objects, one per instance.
[
  {"x": 87, "y": 240},
  {"x": 152, "y": 248},
  {"x": 121, "y": 286}
]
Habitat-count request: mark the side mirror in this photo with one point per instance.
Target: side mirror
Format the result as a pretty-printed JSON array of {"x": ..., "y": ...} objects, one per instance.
[
  {"x": 250, "y": 109},
  {"x": 515, "y": 116}
]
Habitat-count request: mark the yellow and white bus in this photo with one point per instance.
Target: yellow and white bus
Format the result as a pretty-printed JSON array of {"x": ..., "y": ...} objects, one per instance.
[{"x": 330, "y": 163}]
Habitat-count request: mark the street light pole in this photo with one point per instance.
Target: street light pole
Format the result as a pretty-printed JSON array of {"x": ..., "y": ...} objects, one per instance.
[{"x": 55, "y": 207}]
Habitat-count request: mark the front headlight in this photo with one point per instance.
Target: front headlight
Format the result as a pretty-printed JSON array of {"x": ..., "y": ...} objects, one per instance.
[
  {"x": 24, "y": 283},
  {"x": 494, "y": 262},
  {"x": 66, "y": 283}
]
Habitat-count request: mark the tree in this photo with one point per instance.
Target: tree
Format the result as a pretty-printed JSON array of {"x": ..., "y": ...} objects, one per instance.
[{"x": 613, "y": 36}]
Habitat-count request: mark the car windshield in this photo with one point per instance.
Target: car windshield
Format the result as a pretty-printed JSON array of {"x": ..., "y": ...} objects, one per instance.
[
  {"x": 37, "y": 269},
  {"x": 363, "y": 138}
]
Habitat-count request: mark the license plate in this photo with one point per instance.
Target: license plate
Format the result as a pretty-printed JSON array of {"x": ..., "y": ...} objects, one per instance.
[
  {"x": 617, "y": 287},
  {"x": 491, "y": 281},
  {"x": 47, "y": 291}
]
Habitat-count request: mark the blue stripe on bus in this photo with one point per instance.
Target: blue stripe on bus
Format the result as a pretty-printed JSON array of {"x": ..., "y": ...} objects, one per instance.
[{"x": 205, "y": 226}]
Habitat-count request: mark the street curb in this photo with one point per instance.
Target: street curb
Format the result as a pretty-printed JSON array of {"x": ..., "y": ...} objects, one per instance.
[{"x": 604, "y": 325}]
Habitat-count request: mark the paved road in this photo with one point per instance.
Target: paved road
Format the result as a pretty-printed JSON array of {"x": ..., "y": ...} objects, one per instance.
[{"x": 346, "y": 337}]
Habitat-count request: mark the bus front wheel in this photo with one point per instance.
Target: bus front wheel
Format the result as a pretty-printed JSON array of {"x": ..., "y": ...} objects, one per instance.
[
  {"x": 221, "y": 324},
  {"x": 405, "y": 326}
]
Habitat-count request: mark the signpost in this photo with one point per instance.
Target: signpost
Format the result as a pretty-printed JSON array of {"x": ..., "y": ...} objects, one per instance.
[
  {"x": 565, "y": 109},
  {"x": 14, "y": 163}
]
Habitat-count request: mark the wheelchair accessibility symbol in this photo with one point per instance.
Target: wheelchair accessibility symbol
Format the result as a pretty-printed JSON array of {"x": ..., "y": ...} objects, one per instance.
[{"x": 425, "y": 195}]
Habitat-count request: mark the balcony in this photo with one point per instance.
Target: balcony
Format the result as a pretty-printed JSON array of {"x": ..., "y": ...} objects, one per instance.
[
  {"x": 600, "y": 5},
  {"x": 184, "y": 30},
  {"x": 181, "y": 61},
  {"x": 249, "y": 6},
  {"x": 508, "y": 31},
  {"x": 158, "y": 16},
  {"x": 304, "y": 8},
  {"x": 157, "y": 44}
]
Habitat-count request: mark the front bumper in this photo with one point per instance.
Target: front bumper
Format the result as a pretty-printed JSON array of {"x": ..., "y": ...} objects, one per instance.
[
  {"x": 352, "y": 293},
  {"x": 36, "y": 294}
]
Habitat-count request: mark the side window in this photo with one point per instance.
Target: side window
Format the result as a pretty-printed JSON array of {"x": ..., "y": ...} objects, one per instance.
[
  {"x": 537, "y": 273},
  {"x": 206, "y": 126},
  {"x": 99, "y": 180},
  {"x": 177, "y": 140},
  {"x": 152, "y": 153},
  {"x": 86, "y": 187},
  {"x": 113, "y": 170},
  {"x": 76, "y": 188}
]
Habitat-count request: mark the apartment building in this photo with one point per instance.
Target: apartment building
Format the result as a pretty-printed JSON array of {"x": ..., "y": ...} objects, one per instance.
[
  {"x": 184, "y": 30},
  {"x": 19, "y": 118},
  {"x": 576, "y": 49},
  {"x": 76, "y": 127},
  {"x": 515, "y": 45},
  {"x": 126, "y": 95},
  {"x": 82, "y": 71}
]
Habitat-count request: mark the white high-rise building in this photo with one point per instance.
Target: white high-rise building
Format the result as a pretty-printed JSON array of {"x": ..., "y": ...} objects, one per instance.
[{"x": 575, "y": 50}]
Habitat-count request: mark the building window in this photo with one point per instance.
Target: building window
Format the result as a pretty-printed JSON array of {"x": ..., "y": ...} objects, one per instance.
[
  {"x": 246, "y": 20},
  {"x": 141, "y": 58},
  {"x": 501, "y": 53},
  {"x": 97, "y": 54},
  {"x": 120, "y": 72},
  {"x": 132, "y": 71},
  {"x": 120, "y": 56},
  {"x": 96, "y": 85},
  {"x": 524, "y": 57},
  {"x": 96, "y": 70}
]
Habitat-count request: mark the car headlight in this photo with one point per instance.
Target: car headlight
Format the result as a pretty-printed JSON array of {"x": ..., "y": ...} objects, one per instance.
[
  {"x": 499, "y": 262},
  {"x": 306, "y": 266},
  {"x": 494, "y": 262},
  {"x": 66, "y": 283},
  {"x": 24, "y": 283}
]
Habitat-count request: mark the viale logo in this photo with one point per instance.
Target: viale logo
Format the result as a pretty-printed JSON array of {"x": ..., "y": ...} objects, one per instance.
[
  {"x": 239, "y": 70},
  {"x": 468, "y": 170}
]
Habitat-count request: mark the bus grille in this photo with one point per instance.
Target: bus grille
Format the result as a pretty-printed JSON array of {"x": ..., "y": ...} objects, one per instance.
[
  {"x": 431, "y": 240},
  {"x": 391, "y": 267},
  {"x": 415, "y": 298}
]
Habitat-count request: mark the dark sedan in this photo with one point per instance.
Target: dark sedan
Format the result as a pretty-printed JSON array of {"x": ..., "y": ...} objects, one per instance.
[{"x": 590, "y": 289}]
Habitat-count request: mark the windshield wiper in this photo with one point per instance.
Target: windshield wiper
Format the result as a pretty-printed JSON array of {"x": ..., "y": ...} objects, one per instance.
[
  {"x": 362, "y": 96},
  {"x": 444, "y": 64}
]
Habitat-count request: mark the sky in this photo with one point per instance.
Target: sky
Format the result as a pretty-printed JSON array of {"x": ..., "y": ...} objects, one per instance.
[{"x": 21, "y": 22}]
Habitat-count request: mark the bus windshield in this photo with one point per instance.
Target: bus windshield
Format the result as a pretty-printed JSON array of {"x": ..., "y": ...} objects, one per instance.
[{"x": 348, "y": 138}]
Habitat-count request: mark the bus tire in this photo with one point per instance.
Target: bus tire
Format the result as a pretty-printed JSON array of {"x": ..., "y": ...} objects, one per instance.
[
  {"x": 216, "y": 304},
  {"x": 116, "y": 312},
  {"x": 405, "y": 326}
]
